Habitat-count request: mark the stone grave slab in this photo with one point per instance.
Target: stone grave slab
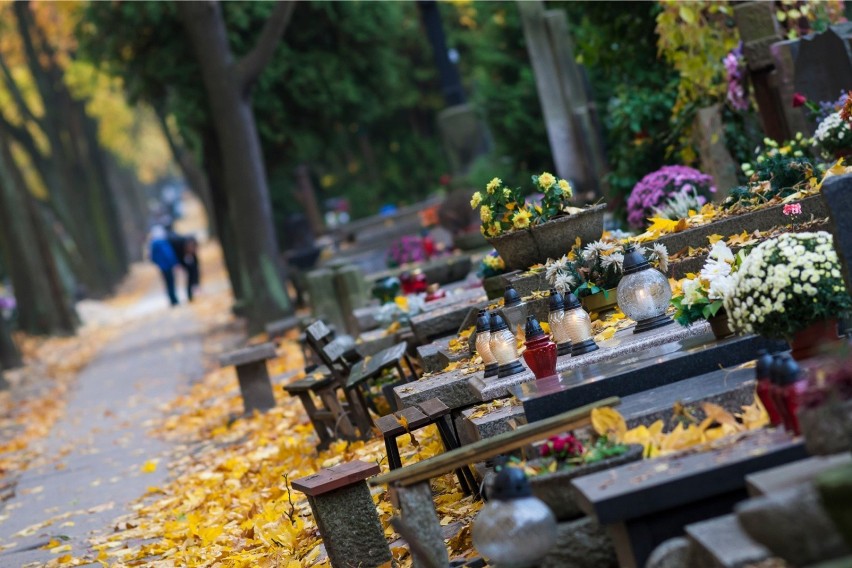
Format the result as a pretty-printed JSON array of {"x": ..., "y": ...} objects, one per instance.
[
  {"x": 651, "y": 368},
  {"x": 729, "y": 388},
  {"x": 759, "y": 220},
  {"x": 450, "y": 388},
  {"x": 623, "y": 344},
  {"x": 436, "y": 355},
  {"x": 645, "y": 503},
  {"x": 446, "y": 315},
  {"x": 823, "y": 68}
]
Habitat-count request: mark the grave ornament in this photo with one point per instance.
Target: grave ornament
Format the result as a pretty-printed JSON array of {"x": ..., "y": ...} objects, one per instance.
[
  {"x": 557, "y": 322},
  {"x": 483, "y": 339},
  {"x": 504, "y": 347},
  {"x": 579, "y": 326},
  {"x": 644, "y": 292}
]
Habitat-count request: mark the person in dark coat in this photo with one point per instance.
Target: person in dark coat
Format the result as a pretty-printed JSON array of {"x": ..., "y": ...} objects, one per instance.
[
  {"x": 163, "y": 255},
  {"x": 186, "y": 251}
]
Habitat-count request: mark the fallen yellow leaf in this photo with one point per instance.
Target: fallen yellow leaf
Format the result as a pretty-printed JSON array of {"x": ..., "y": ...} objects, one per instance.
[{"x": 149, "y": 466}]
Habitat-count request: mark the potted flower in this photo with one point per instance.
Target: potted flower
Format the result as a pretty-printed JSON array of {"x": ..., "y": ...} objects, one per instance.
[
  {"x": 834, "y": 136},
  {"x": 702, "y": 295},
  {"x": 657, "y": 189},
  {"x": 563, "y": 458},
  {"x": 790, "y": 287},
  {"x": 527, "y": 232},
  {"x": 593, "y": 272},
  {"x": 491, "y": 270}
]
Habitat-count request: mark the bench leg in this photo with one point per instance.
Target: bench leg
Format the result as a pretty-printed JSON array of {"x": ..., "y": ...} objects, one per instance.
[
  {"x": 359, "y": 411},
  {"x": 394, "y": 460},
  {"x": 342, "y": 423},
  {"x": 319, "y": 425},
  {"x": 465, "y": 476}
]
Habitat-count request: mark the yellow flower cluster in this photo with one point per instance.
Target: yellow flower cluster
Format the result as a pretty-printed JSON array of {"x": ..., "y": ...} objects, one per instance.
[
  {"x": 494, "y": 262},
  {"x": 546, "y": 180},
  {"x": 493, "y": 185}
]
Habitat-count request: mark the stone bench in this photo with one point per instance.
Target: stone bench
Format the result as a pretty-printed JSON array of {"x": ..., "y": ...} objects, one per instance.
[
  {"x": 346, "y": 515},
  {"x": 279, "y": 328},
  {"x": 255, "y": 386}
]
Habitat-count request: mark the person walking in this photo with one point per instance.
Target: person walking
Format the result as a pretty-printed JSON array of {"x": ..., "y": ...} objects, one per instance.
[
  {"x": 163, "y": 255},
  {"x": 186, "y": 251}
]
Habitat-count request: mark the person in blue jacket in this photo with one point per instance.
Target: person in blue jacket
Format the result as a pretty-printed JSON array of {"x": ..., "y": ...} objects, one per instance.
[{"x": 163, "y": 255}]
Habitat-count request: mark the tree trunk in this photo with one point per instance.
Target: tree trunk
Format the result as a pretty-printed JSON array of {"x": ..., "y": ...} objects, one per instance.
[
  {"x": 221, "y": 220},
  {"x": 9, "y": 355},
  {"x": 244, "y": 175},
  {"x": 43, "y": 304}
]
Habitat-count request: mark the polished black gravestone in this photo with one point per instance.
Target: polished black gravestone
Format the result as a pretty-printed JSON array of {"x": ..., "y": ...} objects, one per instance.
[
  {"x": 837, "y": 191},
  {"x": 645, "y": 503},
  {"x": 653, "y": 368}
]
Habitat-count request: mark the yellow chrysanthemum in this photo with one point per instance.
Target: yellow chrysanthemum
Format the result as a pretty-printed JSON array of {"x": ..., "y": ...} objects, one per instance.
[
  {"x": 565, "y": 187},
  {"x": 475, "y": 200},
  {"x": 485, "y": 213},
  {"x": 521, "y": 220},
  {"x": 494, "y": 229},
  {"x": 493, "y": 185},
  {"x": 546, "y": 180},
  {"x": 507, "y": 193}
]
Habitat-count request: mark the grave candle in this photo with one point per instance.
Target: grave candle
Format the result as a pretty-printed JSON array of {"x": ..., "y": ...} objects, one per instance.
[
  {"x": 504, "y": 347},
  {"x": 513, "y": 528},
  {"x": 793, "y": 387},
  {"x": 483, "y": 339},
  {"x": 644, "y": 292},
  {"x": 557, "y": 322},
  {"x": 764, "y": 386},
  {"x": 540, "y": 353},
  {"x": 579, "y": 326}
]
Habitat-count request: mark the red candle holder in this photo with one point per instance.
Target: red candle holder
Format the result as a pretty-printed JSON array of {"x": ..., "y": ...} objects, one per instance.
[{"x": 540, "y": 354}]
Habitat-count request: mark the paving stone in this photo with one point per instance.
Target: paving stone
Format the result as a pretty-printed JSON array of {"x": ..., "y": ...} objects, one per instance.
[{"x": 722, "y": 543}]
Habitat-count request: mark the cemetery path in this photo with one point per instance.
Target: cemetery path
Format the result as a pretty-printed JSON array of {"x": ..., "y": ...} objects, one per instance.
[{"x": 100, "y": 456}]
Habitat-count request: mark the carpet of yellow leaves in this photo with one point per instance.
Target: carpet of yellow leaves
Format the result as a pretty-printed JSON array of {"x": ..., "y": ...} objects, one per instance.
[{"x": 229, "y": 502}]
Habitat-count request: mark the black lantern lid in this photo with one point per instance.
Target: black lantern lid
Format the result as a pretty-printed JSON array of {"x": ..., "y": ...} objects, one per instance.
[
  {"x": 483, "y": 322},
  {"x": 571, "y": 302},
  {"x": 776, "y": 367},
  {"x": 556, "y": 301},
  {"x": 634, "y": 261},
  {"x": 510, "y": 483},
  {"x": 497, "y": 322},
  {"x": 511, "y": 296},
  {"x": 790, "y": 372},
  {"x": 532, "y": 329},
  {"x": 764, "y": 363}
]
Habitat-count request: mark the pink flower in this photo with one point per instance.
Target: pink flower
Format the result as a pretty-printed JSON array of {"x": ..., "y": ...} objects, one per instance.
[
  {"x": 562, "y": 447},
  {"x": 792, "y": 209},
  {"x": 799, "y": 100}
]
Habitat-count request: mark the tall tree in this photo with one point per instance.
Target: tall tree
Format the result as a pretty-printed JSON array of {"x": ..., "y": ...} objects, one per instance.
[{"x": 228, "y": 83}]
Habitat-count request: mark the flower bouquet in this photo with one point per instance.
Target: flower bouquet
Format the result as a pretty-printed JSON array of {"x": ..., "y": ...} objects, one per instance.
[
  {"x": 702, "y": 295},
  {"x": 834, "y": 136},
  {"x": 787, "y": 284},
  {"x": 658, "y": 191},
  {"x": 526, "y": 231},
  {"x": 596, "y": 268},
  {"x": 503, "y": 209}
]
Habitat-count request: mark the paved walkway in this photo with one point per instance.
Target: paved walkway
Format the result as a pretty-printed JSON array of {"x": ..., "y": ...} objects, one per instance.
[{"x": 96, "y": 454}]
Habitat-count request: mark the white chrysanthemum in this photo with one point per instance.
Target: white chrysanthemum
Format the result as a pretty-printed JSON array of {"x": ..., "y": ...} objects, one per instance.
[
  {"x": 714, "y": 270},
  {"x": 660, "y": 254},
  {"x": 721, "y": 251},
  {"x": 615, "y": 260},
  {"x": 593, "y": 249},
  {"x": 554, "y": 268},
  {"x": 564, "y": 283},
  {"x": 691, "y": 292},
  {"x": 720, "y": 288}
]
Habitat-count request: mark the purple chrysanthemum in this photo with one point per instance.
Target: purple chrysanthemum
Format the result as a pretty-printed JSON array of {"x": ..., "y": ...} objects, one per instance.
[{"x": 656, "y": 188}]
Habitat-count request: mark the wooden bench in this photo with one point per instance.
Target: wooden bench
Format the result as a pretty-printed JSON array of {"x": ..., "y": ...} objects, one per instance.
[
  {"x": 330, "y": 419},
  {"x": 429, "y": 412}
]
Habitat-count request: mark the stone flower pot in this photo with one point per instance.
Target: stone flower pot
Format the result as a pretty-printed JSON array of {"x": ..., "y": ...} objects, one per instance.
[
  {"x": 494, "y": 286},
  {"x": 523, "y": 248},
  {"x": 555, "y": 488},
  {"x": 600, "y": 302}
]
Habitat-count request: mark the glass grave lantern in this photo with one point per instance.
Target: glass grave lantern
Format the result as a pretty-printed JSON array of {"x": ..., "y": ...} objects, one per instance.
[
  {"x": 579, "y": 326},
  {"x": 540, "y": 353},
  {"x": 483, "y": 347},
  {"x": 556, "y": 321},
  {"x": 504, "y": 347},
  {"x": 644, "y": 292}
]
